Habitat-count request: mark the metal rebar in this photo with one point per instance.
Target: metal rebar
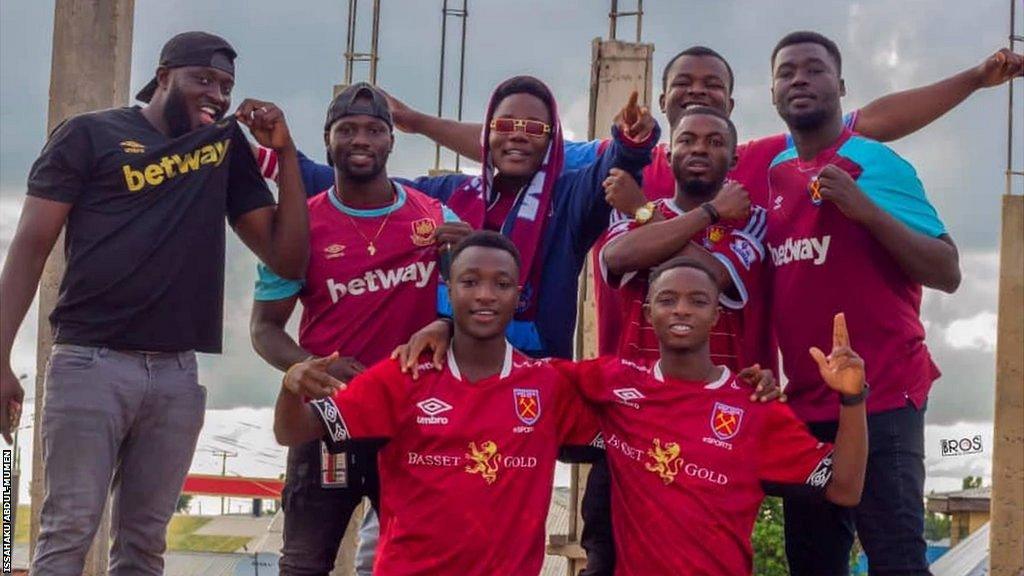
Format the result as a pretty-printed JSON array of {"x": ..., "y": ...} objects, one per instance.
[
  {"x": 350, "y": 40},
  {"x": 373, "y": 42},
  {"x": 1013, "y": 37},
  {"x": 462, "y": 68},
  {"x": 440, "y": 78},
  {"x": 613, "y": 16}
]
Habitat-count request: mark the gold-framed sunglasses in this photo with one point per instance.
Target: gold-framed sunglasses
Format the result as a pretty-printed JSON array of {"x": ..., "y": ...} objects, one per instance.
[{"x": 534, "y": 128}]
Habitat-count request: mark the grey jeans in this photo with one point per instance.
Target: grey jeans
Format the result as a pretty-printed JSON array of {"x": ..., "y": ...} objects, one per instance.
[{"x": 124, "y": 423}]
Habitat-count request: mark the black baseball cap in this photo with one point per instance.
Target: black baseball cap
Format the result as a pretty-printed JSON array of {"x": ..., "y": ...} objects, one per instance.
[
  {"x": 192, "y": 49},
  {"x": 346, "y": 103}
]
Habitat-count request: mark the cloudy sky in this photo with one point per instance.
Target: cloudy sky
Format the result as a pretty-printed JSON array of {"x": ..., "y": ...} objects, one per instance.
[{"x": 293, "y": 56}]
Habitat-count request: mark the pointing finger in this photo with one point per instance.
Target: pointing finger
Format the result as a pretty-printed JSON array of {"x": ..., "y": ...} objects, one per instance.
[{"x": 840, "y": 336}]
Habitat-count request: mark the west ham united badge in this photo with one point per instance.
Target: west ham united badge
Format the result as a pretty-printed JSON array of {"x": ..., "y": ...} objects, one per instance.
[
  {"x": 527, "y": 403},
  {"x": 423, "y": 232},
  {"x": 725, "y": 420},
  {"x": 814, "y": 189}
]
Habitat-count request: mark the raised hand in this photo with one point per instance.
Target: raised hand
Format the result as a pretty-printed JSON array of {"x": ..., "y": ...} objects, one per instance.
[
  {"x": 635, "y": 121},
  {"x": 266, "y": 123},
  {"x": 842, "y": 370},
  {"x": 312, "y": 378},
  {"x": 999, "y": 68},
  {"x": 732, "y": 202},
  {"x": 622, "y": 192},
  {"x": 403, "y": 116}
]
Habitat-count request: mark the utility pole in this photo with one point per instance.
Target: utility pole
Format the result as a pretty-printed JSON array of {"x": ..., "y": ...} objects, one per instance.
[
  {"x": 90, "y": 70},
  {"x": 224, "y": 455}
]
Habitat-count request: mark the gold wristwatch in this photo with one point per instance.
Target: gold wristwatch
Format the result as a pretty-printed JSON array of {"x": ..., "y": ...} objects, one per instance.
[{"x": 644, "y": 213}]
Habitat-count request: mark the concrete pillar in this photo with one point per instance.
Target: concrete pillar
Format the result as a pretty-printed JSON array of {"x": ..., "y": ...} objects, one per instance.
[
  {"x": 90, "y": 70},
  {"x": 617, "y": 69},
  {"x": 1006, "y": 538}
]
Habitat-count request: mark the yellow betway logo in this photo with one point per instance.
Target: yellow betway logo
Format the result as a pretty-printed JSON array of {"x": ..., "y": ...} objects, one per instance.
[{"x": 175, "y": 165}]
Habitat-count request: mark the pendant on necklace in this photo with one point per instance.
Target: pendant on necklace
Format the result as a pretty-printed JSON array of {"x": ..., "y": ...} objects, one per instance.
[{"x": 371, "y": 248}]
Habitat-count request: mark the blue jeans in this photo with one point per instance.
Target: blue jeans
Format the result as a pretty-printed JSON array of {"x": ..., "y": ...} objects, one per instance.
[{"x": 890, "y": 517}]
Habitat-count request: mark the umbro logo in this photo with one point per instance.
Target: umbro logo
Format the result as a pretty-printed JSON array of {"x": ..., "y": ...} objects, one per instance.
[
  {"x": 432, "y": 407},
  {"x": 628, "y": 396}
]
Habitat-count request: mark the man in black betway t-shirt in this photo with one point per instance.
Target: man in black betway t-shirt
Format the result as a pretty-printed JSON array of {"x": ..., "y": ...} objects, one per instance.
[
  {"x": 144, "y": 194},
  {"x": 145, "y": 239}
]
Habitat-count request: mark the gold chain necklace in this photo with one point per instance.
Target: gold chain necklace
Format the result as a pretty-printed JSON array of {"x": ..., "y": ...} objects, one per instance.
[{"x": 370, "y": 247}]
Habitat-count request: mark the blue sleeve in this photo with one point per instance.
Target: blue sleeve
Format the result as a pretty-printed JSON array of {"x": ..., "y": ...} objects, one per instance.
[
  {"x": 589, "y": 212},
  {"x": 439, "y": 187},
  {"x": 892, "y": 183},
  {"x": 448, "y": 215},
  {"x": 270, "y": 286},
  {"x": 315, "y": 177},
  {"x": 580, "y": 154}
]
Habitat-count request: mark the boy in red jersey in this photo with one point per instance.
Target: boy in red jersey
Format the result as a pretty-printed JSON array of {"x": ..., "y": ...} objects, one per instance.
[
  {"x": 468, "y": 464},
  {"x": 691, "y": 456}
]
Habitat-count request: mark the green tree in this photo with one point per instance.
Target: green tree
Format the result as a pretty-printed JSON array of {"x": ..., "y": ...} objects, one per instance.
[
  {"x": 972, "y": 482},
  {"x": 769, "y": 540},
  {"x": 936, "y": 526},
  {"x": 183, "y": 503}
]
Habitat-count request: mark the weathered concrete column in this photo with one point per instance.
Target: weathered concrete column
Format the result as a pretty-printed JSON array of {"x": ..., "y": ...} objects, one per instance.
[
  {"x": 1006, "y": 538},
  {"x": 90, "y": 70}
]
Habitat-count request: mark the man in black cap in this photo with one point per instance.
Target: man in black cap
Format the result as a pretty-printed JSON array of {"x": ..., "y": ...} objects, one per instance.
[
  {"x": 143, "y": 193},
  {"x": 371, "y": 283}
]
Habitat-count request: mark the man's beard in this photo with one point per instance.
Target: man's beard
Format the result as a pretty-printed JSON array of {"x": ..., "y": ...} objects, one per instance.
[
  {"x": 362, "y": 177},
  {"x": 176, "y": 113},
  {"x": 806, "y": 121},
  {"x": 701, "y": 189}
]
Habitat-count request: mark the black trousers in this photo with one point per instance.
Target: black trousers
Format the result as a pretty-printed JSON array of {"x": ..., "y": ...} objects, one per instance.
[{"x": 316, "y": 517}]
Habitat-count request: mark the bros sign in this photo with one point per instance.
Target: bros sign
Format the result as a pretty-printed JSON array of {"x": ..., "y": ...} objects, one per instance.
[{"x": 960, "y": 446}]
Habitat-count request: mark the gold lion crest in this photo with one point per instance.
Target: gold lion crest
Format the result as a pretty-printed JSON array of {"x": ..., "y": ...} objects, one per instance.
[
  {"x": 485, "y": 460},
  {"x": 665, "y": 460}
]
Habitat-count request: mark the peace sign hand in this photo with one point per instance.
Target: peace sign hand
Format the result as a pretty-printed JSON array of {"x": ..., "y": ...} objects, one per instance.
[
  {"x": 842, "y": 369},
  {"x": 311, "y": 378}
]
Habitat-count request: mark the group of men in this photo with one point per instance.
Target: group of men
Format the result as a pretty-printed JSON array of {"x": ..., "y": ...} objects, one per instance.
[{"x": 714, "y": 256}]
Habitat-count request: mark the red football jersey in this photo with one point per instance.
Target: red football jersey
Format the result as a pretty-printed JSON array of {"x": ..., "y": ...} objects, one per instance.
[
  {"x": 467, "y": 470},
  {"x": 737, "y": 245},
  {"x": 751, "y": 170},
  {"x": 690, "y": 463},
  {"x": 364, "y": 304},
  {"x": 824, "y": 263}
]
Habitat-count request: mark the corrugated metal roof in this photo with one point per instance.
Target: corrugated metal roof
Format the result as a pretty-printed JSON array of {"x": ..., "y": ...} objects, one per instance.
[{"x": 968, "y": 558}]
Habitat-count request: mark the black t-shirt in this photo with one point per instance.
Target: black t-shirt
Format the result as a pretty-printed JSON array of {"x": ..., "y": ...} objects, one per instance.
[{"x": 145, "y": 235}]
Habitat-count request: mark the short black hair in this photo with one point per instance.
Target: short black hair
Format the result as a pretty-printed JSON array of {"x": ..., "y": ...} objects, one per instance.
[
  {"x": 680, "y": 262},
  {"x": 487, "y": 239},
  {"x": 809, "y": 37},
  {"x": 707, "y": 111},
  {"x": 697, "y": 51},
  {"x": 525, "y": 85}
]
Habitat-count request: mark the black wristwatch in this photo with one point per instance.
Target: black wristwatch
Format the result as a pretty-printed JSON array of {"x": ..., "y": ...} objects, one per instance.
[{"x": 856, "y": 398}]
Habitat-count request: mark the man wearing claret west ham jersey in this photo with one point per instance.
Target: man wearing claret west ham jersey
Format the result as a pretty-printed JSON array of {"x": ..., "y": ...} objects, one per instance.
[
  {"x": 691, "y": 456},
  {"x": 469, "y": 455},
  {"x": 371, "y": 282},
  {"x": 706, "y": 214},
  {"x": 850, "y": 228}
]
